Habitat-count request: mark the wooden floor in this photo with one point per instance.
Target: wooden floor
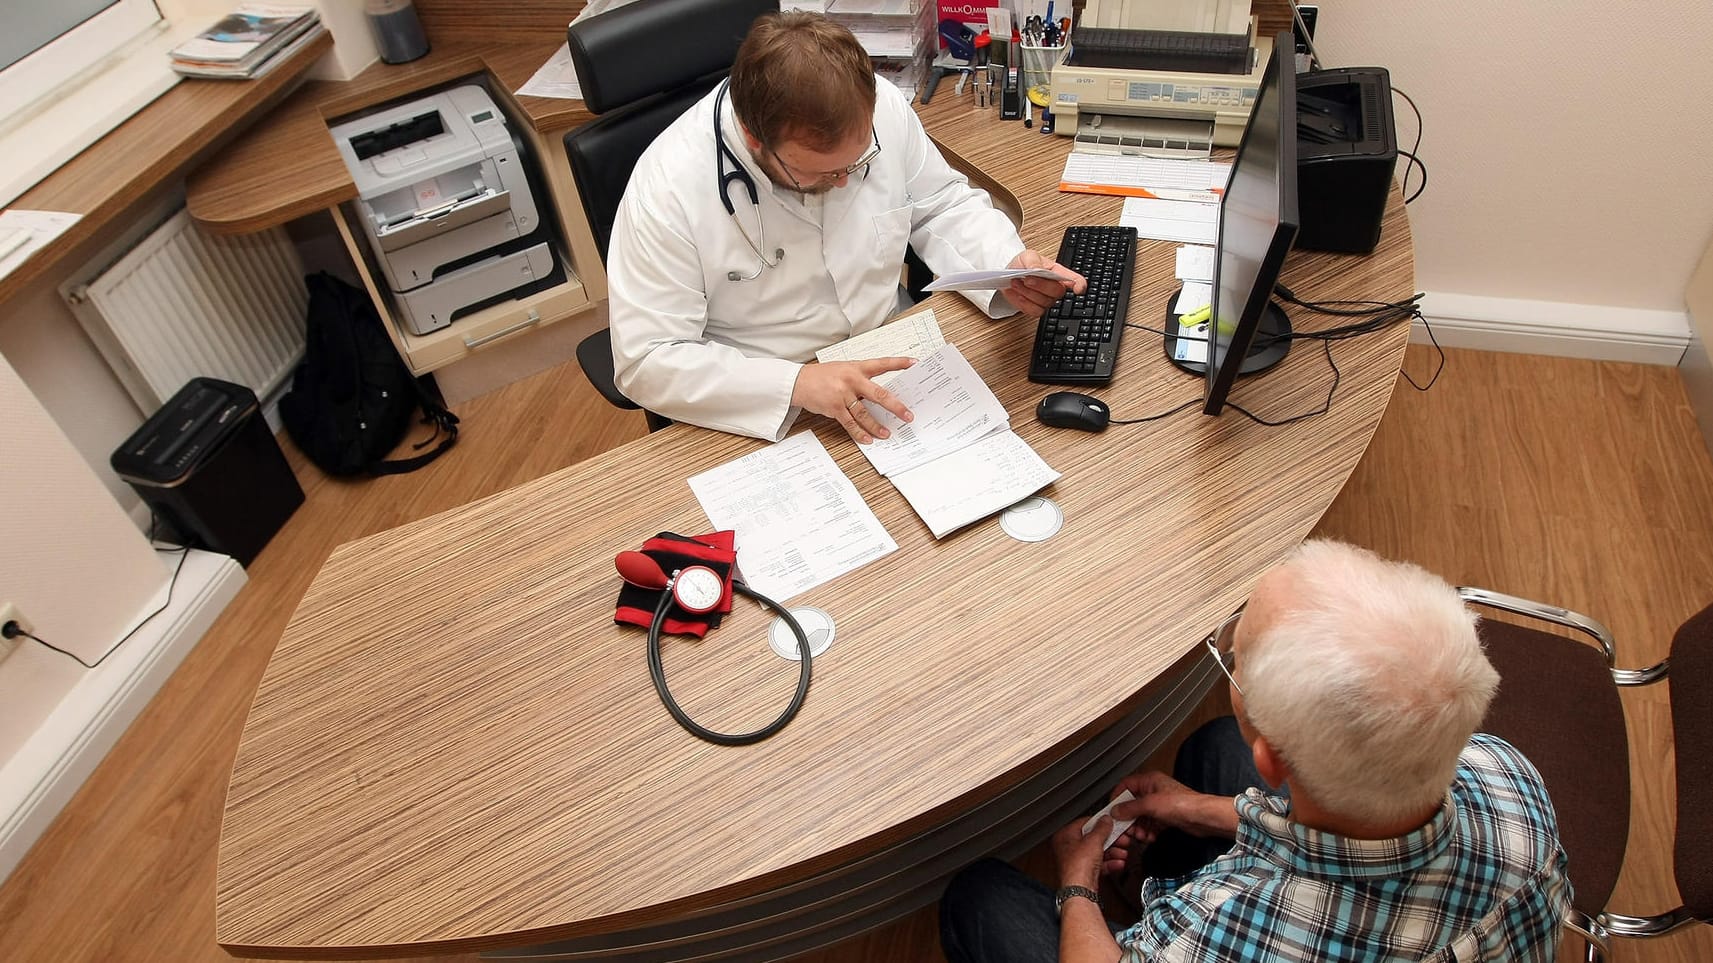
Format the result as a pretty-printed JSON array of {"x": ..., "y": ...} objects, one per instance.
[{"x": 1585, "y": 484}]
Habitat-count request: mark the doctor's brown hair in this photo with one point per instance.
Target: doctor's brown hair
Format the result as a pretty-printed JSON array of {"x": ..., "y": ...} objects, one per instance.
[{"x": 801, "y": 77}]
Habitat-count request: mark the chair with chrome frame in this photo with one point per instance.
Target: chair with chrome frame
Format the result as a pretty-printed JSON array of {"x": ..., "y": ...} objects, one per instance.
[
  {"x": 1558, "y": 704},
  {"x": 640, "y": 66}
]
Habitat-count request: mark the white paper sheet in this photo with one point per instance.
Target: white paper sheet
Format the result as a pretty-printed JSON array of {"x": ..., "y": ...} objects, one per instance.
[
  {"x": 975, "y": 481},
  {"x": 23, "y": 233},
  {"x": 984, "y": 280},
  {"x": 556, "y": 78},
  {"x": 1195, "y": 263},
  {"x": 914, "y": 335},
  {"x": 952, "y": 407},
  {"x": 799, "y": 521},
  {"x": 1118, "y": 825},
  {"x": 1184, "y": 221},
  {"x": 1087, "y": 172},
  {"x": 1191, "y": 344},
  {"x": 1194, "y": 296}
]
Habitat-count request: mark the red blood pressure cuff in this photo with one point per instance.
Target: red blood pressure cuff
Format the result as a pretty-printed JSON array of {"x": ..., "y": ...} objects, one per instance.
[{"x": 716, "y": 550}]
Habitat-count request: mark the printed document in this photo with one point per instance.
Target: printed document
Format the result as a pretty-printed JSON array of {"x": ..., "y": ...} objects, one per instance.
[
  {"x": 958, "y": 461},
  {"x": 1129, "y": 175},
  {"x": 555, "y": 78},
  {"x": 984, "y": 280},
  {"x": 914, "y": 335},
  {"x": 799, "y": 521},
  {"x": 1185, "y": 221}
]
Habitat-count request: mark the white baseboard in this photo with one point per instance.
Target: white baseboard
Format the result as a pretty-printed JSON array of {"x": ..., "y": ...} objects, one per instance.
[
  {"x": 1596, "y": 332},
  {"x": 42, "y": 776}
]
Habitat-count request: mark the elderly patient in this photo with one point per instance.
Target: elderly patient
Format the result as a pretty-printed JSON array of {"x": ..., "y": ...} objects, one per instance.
[{"x": 1347, "y": 812}]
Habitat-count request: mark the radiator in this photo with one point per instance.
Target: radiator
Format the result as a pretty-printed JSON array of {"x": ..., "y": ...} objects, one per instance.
[{"x": 184, "y": 303}]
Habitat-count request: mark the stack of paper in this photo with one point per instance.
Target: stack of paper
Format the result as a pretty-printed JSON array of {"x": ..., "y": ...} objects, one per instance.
[
  {"x": 249, "y": 41},
  {"x": 958, "y": 461}
]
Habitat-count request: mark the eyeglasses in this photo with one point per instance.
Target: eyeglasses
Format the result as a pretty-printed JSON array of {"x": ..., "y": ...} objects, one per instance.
[
  {"x": 825, "y": 176},
  {"x": 1219, "y": 643}
]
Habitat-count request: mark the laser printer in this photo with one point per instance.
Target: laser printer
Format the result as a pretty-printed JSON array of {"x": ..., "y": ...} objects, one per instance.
[
  {"x": 1171, "y": 79},
  {"x": 446, "y": 202}
]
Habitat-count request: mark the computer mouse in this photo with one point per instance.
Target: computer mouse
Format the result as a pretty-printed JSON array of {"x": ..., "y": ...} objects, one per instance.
[{"x": 1067, "y": 409}]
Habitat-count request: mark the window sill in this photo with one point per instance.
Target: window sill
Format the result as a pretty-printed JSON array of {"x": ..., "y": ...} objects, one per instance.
[
  {"x": 38, "y": 144},
  {"x": 159, "y": 145}
]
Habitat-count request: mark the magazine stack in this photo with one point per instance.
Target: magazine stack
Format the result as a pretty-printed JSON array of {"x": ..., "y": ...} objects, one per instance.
[{"x": 249, "y": 41}]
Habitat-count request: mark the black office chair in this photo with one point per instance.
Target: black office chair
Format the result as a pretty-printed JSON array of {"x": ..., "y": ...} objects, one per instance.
[
  {"x": 1558, "y": 703},
  {"x": 640, "y": 67}
]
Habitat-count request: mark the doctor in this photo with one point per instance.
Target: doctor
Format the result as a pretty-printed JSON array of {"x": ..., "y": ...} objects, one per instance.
[{"x": 771, "y": 220}]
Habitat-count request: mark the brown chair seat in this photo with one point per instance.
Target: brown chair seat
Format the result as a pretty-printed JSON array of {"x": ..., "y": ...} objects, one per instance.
[{"x": 1558, "y": 706}]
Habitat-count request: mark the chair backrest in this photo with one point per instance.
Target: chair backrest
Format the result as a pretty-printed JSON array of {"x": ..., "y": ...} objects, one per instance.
[
  {"x": 1692, "y": 728},
  {"x": 640, "y": 67}
]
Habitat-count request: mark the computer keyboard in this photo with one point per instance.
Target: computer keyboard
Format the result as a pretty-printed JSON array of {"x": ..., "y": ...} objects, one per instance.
[
  {"x": 1208, "y": 53},
  {"x": 1077, "y": 340}
]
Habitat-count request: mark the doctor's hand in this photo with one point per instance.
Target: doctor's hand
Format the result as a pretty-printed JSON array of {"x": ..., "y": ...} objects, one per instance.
[
  {"x": 1033, "y": 296},
  {"x": 838, "y": 389}
]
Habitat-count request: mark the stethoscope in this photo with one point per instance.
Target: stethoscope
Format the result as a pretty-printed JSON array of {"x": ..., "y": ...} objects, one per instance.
[
  {"x": 697, "y": 589},
  {"x": 739, "y": 175}
]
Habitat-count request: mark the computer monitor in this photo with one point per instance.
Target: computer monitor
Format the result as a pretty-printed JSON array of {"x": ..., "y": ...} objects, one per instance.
[{"x": 1258, "y": 221}]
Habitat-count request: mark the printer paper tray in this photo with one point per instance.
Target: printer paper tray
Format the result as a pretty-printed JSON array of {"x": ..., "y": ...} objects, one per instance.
[{"x": 438, "y": 221}]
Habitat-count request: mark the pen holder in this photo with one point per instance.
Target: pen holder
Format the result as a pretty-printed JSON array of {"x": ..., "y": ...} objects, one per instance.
[{"x": 1038, "y": 64}]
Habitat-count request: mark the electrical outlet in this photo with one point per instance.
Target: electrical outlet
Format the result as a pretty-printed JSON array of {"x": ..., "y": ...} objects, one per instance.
[{"x": 10, "y": 613}]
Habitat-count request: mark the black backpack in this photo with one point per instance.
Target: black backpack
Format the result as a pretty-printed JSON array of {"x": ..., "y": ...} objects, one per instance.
[{"x": 352, "y": 398}]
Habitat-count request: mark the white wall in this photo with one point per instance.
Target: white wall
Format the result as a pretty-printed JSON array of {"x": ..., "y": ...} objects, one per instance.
[
  {"x": 75, "y": 564},
  {"x": 1566, "y": 141}
]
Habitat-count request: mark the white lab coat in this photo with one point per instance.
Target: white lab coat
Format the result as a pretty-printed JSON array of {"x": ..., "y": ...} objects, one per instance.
[{"x": 695, "y": 346}]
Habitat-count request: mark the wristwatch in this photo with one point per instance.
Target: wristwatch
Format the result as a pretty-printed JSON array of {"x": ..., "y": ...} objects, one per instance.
[{"x": 1071, "y": 892}]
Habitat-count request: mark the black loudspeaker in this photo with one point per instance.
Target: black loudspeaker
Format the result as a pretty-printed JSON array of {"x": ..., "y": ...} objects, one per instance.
[
  {"x": 1346, "y": 151},
  {"x": 208, "y": 467}
]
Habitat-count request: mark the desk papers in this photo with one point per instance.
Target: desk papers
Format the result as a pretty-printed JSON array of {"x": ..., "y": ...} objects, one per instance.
[
  {"x": 1187, "y": 221},
  {"x": 555, "y": 78},
  {"x": 985, "y": 280},
  {"x": 23, "y": 233},
  {"x": 959, "y": 461},
  {"x": 799, "y": 521},
  {"x": 1129, "y": 175},
  {"x": 914, "y": 335}
]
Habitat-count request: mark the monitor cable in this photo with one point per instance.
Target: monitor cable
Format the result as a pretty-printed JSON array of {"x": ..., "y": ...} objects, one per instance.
[{"x": 1375, "y": 315}]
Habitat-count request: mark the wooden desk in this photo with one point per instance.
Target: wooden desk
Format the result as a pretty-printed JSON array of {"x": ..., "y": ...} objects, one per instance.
[{"x": 455, "y": 749}]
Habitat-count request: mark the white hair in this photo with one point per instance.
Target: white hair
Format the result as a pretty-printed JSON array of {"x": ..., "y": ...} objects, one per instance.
[{"x": 1369, "y": 681}]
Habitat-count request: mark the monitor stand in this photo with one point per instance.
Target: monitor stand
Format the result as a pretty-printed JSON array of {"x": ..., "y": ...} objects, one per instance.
[{"x": 1272, "y": 341}]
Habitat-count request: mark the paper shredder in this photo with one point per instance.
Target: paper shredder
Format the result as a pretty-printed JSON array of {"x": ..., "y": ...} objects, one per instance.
[{"x": 211, "y": 470}]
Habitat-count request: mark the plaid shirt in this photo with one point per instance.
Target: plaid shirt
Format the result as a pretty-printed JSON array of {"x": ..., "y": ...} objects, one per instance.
[{"x": 1483, "y": 880}]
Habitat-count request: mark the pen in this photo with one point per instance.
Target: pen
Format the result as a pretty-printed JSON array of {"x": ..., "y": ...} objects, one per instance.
[
  {"x": 1028, "y": 112},
  {"x": 1195, "y": 317}
]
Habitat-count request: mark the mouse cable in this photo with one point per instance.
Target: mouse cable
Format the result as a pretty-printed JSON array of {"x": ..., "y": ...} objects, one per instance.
[
  {"x": 1404, "y": 185},
  {"x": 1164, "y": 414}
]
